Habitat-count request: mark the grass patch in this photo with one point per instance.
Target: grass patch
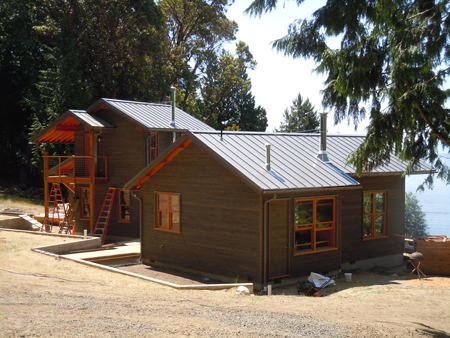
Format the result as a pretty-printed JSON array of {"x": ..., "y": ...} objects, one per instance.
[{"x": 10, "y": 198}]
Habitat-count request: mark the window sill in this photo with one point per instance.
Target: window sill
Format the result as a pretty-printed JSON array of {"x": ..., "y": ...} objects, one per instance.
[
  {"x": 84, "y": 219},
  {"x": 126, "y": 222},
  {"x": 371, "y": 238},
  {"x": 310, "y": 251},
  {"x": 168, "y": 230}
]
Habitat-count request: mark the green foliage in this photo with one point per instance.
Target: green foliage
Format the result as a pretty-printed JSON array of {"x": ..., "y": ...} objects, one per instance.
[
  {"x": 226, "y": 98},
  {"x": 301, "y": 117},
  {"x": 415, "y": 223},
  {"x": 193, "y": 34},
  {"x": 392, "y": 63}
]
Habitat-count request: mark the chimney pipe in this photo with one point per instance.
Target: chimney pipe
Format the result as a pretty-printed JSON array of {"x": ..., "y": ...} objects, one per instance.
[
  {"x": 322, "y": 155},
  {"x": 268, "y": 156},
  {"x": 172, "y": 124}
]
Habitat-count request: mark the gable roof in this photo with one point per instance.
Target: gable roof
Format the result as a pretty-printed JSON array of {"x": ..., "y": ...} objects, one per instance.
[
  {"x": 62, "y": 130},
  {"x": 156, "y": 116},
  {"x": 294, "y": 162}
]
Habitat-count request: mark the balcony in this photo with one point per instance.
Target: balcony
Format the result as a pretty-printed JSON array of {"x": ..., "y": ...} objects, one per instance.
[{"x": 71, "y": 170}]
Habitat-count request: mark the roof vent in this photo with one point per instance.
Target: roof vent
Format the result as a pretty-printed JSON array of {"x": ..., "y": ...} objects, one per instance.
[
  {"x": 268, "y": 156},
  {"x": 322, "y": 154}
]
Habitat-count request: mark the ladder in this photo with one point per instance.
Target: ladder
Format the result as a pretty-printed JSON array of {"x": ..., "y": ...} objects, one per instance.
[
  {"x": 68, "y": 224},
  {"x": 58, "y": 206},
  {"x": 103, "y": 218}
]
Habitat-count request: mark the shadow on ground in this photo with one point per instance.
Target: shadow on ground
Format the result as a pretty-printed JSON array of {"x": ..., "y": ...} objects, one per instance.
[{"x": 360, "y": 279}]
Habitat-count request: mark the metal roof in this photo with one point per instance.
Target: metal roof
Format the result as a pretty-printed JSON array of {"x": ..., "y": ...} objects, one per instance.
[
  {"x": 293, "y": 159},
  {"x": 340, "y": 146},
  {"x": 151, "y": 115},
  {"x": 62, "y": 130}
]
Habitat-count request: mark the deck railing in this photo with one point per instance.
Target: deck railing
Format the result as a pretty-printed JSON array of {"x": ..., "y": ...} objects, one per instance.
[{"x": 72, "y": 169}]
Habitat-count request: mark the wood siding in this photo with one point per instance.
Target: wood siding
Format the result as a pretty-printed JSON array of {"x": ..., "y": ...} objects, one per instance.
[
  {"x": 220, "y": 218},
  {"x": 320, "y": 262},
  {"x": 124, "y": 147},
  {"x": 279, "y": 238},
  {"x": 353, "y": 246}
]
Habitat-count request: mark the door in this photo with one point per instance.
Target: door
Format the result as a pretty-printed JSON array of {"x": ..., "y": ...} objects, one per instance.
[{"x": 278, "y": 239}]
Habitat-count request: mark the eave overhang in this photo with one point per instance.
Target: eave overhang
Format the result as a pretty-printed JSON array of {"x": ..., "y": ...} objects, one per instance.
[{"x": 62, "y": 130}]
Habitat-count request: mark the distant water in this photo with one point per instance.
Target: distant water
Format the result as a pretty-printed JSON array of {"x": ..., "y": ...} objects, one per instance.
[{"x": 435, "y": 204}]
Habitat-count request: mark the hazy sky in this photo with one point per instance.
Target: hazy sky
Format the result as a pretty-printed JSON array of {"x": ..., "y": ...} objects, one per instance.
[{"x": 278, "y": 79}]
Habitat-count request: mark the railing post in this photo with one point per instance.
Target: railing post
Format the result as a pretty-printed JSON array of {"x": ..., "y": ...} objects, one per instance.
[{"x": 46, "y": 197}]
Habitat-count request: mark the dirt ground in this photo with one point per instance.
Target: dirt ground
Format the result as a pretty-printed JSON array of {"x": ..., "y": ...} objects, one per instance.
[{"x": 88, "y": 302}]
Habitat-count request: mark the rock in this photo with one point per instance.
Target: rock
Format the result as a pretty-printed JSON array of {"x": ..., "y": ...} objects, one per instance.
[{"x": 243, "y": 291}]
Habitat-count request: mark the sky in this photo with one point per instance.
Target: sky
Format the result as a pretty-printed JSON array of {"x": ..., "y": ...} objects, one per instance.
[{"x": 278, "y": 79}]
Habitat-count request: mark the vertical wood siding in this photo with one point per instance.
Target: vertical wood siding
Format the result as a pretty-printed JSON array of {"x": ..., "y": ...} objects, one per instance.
[
  {"x": 220, "y": 218},
  {"x": 353, "y": 246}
]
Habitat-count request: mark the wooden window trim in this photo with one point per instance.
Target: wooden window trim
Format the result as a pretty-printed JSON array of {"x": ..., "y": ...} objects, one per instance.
[
  {"x": 149, "y": 146},
  {"x": 157, "y": 211},
  {"x": 314, "y": 230},
  {"x": 121, "y": 218},
  {"x": 373, "y": 214},
  {"x": 82, "y": 216}
]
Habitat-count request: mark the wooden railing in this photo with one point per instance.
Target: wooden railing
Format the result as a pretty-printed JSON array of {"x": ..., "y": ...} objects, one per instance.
[{"x": 75, "y": 169}]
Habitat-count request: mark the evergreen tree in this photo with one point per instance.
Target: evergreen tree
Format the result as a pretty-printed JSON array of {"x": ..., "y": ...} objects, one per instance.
[
  {"x": 415, "y": 223},
  {"x": 60, "y": 87},
  {"x": 394, "y": 60},
  {"x": 301, "y": 117}
]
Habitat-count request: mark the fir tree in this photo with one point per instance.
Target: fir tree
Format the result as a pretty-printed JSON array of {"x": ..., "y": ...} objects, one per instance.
[{"x": 415, "y": 222}]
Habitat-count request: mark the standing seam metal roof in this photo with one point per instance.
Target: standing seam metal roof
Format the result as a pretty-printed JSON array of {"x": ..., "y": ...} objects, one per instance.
[
  {"x": 294, "y": 164},
  {"x": 153, "y": 115}
]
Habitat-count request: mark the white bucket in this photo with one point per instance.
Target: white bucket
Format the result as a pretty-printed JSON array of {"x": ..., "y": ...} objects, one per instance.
[{"x": 348, "y": 277}]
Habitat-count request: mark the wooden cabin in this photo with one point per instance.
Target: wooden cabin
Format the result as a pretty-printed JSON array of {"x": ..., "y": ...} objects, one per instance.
[
  {"x": 263, "y": 207},
  {"x": 112, "y": 141}
]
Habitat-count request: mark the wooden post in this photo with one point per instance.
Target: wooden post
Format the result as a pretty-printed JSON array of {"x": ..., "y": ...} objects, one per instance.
[
  {"x": 46, "y": 196},
  {"x": 92, "y": 178}
]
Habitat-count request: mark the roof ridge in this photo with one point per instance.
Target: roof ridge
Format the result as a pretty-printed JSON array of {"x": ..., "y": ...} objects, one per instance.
[{"x": 137, "y": 102}]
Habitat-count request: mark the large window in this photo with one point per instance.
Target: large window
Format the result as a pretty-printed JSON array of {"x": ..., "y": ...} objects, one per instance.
[
  {"x": 85, "y": 203},
  {"x": 374, "y": 219},
  {"x": 315, "y": 225},
  {"x": 124, "y": 206},
  {"x": 168, "y": 212}
]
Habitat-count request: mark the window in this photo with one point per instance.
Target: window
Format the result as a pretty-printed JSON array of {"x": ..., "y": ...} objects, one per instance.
[
  {"x": 124, "y": 206},
  {"x": 315, "y": 225},
  {"x": 374, "y": 218},
  {"x": 151, "y": 148},
  {"x": 168, "y": 212},
  {"x": 85, "y": 203}
]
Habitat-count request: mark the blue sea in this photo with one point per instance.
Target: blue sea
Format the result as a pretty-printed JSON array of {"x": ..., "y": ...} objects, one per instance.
[{"x": 435, "y": 204}]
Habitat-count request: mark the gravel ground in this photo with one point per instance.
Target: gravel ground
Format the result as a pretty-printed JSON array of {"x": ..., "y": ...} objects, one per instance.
[{"x": 122, "y": 306}]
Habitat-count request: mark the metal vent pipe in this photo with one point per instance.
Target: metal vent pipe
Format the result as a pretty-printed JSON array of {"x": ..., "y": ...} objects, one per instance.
[
  {"x": 173, "y": 124},
  {"x": 268, "y": 156},
  {"x": 323, "y": 155}
]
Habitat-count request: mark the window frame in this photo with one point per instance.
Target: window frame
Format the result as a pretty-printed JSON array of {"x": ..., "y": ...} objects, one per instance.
[
  {"x": 314, "y": 229},
  {"x": 169, "y": 227},
  {"x": 151, "y": 143},
  {"x": 374, "y": 235},
  {"x": 82, "y": 215},
  {"x": 121, "y": 219}
]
